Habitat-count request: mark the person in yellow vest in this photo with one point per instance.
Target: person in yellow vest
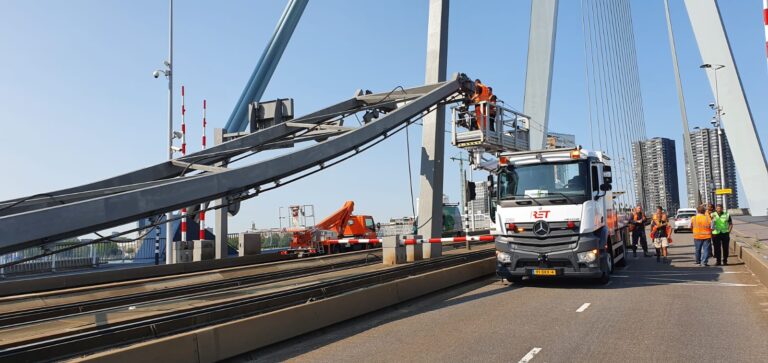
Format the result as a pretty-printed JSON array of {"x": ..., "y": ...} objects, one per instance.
[
  {"x": 660, "y": 233},
  {"x": 721, "y": 234},
  {"x": 701, "y": 224},
  {"x": 637, "y": 225}
]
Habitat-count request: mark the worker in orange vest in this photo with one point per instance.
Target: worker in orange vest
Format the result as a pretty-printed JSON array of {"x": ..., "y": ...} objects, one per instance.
[
  {"x": 482, "y": 94},
  {"x": 637, "y": 225},
  {"x": 660, "y": 233},
  {"x": 701, "y": 224},
  {"x": 492, "y": 110}
]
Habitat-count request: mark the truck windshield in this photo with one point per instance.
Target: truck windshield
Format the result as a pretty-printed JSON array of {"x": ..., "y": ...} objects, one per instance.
[{"x": 567, "y": 180}]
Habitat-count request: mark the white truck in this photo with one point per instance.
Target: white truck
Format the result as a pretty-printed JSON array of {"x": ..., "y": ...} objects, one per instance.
[{"x": 553, "y": 214}]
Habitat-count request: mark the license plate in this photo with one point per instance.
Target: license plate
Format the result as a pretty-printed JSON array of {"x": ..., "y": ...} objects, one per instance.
[{"x": 545, "y": 272}]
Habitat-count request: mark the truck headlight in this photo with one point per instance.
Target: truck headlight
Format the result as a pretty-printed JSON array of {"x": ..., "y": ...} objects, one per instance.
[
  {"x": 588, "y": 256},
  {"x": 503, "y": 257}
]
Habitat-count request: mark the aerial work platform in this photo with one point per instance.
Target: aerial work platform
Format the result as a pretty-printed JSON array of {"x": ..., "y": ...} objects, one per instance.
[{"x": 489, "y": 127}]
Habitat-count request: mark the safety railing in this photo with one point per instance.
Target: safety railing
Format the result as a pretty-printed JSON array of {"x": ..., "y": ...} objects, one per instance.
[
  {"x": 489, "y": 126},
  {"x": 62, "y": 256}
]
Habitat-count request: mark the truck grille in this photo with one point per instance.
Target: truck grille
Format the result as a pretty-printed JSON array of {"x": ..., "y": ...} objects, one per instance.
[
  {"x": 556, "y": 230},
  {"x": 549, "y": 263}
]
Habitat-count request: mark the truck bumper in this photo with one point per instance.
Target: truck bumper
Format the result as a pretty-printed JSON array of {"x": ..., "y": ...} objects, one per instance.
[
  {"x": 506, "y": 271},
  {"x": 524, "y": 258}
]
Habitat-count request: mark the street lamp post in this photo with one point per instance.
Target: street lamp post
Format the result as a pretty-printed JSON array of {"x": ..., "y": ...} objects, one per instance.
[
  {"x": 717, "y": 123},
  {"x": 168, "y": 73}
]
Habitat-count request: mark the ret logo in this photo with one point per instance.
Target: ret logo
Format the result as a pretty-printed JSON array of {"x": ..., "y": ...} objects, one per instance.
[{"x": 540, "y": 214}]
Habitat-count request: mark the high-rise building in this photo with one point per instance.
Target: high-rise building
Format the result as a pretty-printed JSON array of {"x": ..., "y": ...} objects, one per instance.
[
  {"x": 706, "y": 162},
  {"x": 557, "y": 140},
  {"x": 656, "y": 174}
]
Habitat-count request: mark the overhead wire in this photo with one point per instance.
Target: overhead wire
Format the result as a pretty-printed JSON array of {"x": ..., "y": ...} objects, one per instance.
[{"x": 586, "y": 75}]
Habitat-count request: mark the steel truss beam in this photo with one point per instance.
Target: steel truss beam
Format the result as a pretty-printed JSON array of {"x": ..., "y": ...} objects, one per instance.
[{"x": 45, "y": 225}]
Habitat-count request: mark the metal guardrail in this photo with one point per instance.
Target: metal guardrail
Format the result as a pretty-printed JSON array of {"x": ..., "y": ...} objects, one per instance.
[
  {"x": 91, "y": 255},
  {"x": 270, "y": 238}
]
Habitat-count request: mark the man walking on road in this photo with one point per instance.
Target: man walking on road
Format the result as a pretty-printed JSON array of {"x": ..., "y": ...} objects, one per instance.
[
  {"x": 721, "y": 234},
  {"x": 660, "y": 233},
  {"x": 637, "y": 224},
  {"x": 701, "y": 224}
]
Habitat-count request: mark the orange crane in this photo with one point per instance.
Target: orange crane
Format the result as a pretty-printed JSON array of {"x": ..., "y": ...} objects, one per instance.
[{"x": 340, "y": 224}]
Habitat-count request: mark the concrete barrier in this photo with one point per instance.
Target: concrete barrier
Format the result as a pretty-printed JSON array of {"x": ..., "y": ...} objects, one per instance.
[
  {"x": 229, "y": 339},
  {"x": 66, "y": 281},
  {"x": 753, "y": 260}
]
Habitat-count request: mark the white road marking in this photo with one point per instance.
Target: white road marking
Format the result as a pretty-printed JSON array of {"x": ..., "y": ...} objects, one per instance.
[
  {"x": 583, "y": 307},
  {"x": 724, "y": 284},
  {"x": 527, "y": 358}
]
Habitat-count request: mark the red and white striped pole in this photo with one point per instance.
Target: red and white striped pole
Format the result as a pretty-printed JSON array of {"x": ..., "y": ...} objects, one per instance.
[
  {"x": 183, "y": 153},
  {"x": 765, "y": 24},
  {"x": 202, "y": 206}
]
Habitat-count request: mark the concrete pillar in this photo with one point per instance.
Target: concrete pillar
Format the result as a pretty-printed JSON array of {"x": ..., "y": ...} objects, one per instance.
[
  {"x": 413, "y": 252},
  {"x": 393, "y": 253},
  {"x": 430, "y": 213},
  {"x": 220, "y": 223},
  {"x": 538, "y": 75},
  {"x": 431, "y": 250}
]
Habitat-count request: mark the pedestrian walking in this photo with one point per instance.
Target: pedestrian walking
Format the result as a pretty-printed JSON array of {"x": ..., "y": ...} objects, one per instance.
[
  {"x": 660, "y": 234},
  {"x": 722, "y": 225},
  {"x": 710, "y": 210},
  {"x": 701, "y": 224},
  {"x": 637, "y": 225}
]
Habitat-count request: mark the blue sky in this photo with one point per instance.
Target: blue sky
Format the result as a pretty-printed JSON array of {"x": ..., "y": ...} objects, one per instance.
[{"x": 78, "y": 102}]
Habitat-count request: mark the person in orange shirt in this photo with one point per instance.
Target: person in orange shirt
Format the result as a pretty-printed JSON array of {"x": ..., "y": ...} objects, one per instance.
[
  {"x": 482, "y": 93},
  {"x": 701, "y": 224}
]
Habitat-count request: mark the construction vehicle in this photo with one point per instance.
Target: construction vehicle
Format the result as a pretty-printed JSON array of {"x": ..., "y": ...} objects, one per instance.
[
  {"x": 553, "y": 214},
  {"x": 552, "y": 211},
  {"x": 340, "y": 224}
]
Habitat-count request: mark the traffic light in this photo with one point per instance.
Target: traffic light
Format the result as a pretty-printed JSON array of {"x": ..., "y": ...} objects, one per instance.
[{"x": 470, "y": 190}]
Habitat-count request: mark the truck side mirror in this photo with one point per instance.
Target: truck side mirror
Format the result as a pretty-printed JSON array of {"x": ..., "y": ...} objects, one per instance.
[
  {"x": 470, "y": 191},
  {"x": 607, "y": 174}
]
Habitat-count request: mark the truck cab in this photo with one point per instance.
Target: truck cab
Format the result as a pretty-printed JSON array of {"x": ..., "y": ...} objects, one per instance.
[{"x": 552, "y": 213}]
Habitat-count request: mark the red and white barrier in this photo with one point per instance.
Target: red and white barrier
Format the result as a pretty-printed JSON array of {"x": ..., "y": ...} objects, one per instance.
[
  {"x": 183, "y": 153},
  {"x": 485, "y": 238},
  {"x": 352, "y": 241},
  {"x": 202, "y": 206}
]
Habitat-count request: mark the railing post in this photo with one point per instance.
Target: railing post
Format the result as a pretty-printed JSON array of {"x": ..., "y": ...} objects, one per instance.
[
  {"x": 53, "y": 262},
  {"x": 93, "y": 254},
  {"x": 157, "y": 245}
]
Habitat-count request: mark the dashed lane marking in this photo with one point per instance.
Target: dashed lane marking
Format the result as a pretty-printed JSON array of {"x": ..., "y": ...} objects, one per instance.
[
  {"x": 583, "y": 307},
  {"x": 527, "y": 358}
]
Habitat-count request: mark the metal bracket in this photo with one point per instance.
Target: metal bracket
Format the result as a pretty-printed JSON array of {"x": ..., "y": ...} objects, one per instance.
[{"x": 208, "y": 168}]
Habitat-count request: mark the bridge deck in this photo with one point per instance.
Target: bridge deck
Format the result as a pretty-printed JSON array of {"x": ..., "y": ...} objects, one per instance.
[{"x": 649, "y": 312}]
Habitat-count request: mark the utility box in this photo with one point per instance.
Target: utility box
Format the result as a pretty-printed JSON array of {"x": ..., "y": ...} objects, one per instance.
[
  {"x": 249, "y": 244},
  {"x": 182, "y": 251},
  {"x": 393, "y": 251},
  {"x": 202, "y": 250}
]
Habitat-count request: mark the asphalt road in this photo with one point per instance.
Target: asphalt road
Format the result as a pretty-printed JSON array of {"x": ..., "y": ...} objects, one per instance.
[{"x": 649, "y": 312}]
